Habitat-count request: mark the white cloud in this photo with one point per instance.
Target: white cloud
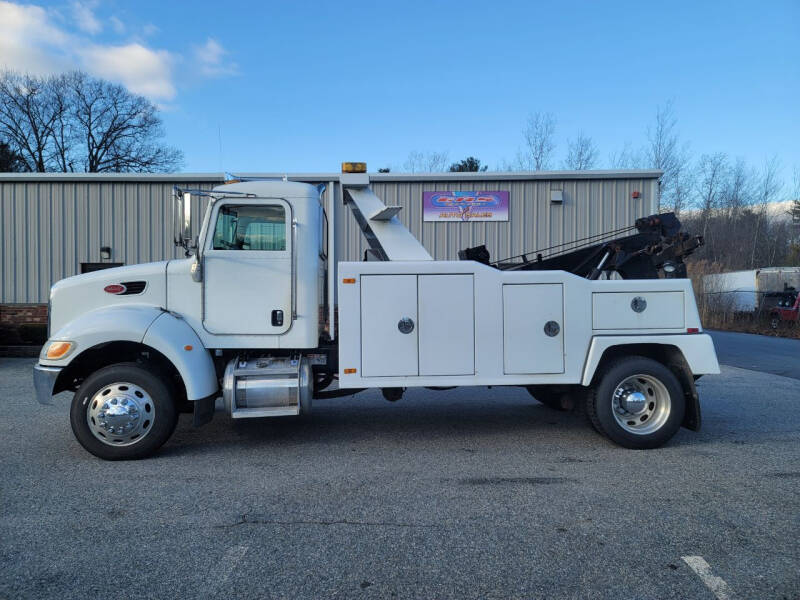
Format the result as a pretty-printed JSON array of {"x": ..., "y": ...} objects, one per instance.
[
  {"x": 28, "y": 40},
  {"x": 211, "y": 59},
  {"x": 117, "y": 25},
  {"x": 149, "y": 30},
  {"x": 142, "y": 70},
  {"x": 41, "y": 41},
  {"x": 83, "y": 14}
]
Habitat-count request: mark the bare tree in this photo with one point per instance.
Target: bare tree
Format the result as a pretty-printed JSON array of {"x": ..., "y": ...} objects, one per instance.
[
  {"x": 739, "y": 189},
  {"x": 433, "y": 162},
  {"x": 711, "y": 173},
  {"x": 769, "y": 186},
  {"x": 627, "y": 158},
  {"x": 664, "y": 151},
  {"x": 27, "y": 117},
  {"x": 539, "y": 134},
  {"x": 75, "y": 122},
  {"x": 120, "y": 129},
  {"x": 581, "y": 153},
  {"x": 683, "y": 187},
  {"x": 414, "y": 162},
  {"x": 436, "y": 162}
]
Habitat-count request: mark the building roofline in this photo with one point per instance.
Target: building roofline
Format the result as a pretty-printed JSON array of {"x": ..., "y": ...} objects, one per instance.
[{"x": 325, "y": 177}]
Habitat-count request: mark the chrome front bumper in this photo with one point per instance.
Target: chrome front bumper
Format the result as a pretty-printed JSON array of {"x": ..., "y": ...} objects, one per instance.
[{"x": 44, "y": 380}]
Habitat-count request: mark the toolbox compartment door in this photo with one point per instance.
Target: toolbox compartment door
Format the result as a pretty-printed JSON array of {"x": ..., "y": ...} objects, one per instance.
[
  {"x": 533, "y": 328},
  {"x": 389, "y": 349},
  {"x": 638, "y": 310},
  {"x": 446, "y": 325}
]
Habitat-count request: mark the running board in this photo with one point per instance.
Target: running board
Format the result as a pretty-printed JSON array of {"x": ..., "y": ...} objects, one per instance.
[{"x": 268, "y": 411}]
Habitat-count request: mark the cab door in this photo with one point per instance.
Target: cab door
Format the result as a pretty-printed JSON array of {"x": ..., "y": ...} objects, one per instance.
[{"x": 248, "y": 269}]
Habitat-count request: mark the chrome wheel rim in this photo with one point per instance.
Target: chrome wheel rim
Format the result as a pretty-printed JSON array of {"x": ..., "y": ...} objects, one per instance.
[
  {"x": 641, "y": 404},
  {"x": 120, "y": 414}
]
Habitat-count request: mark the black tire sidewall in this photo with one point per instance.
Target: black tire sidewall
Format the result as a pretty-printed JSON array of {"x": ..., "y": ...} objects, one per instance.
[
  {"x": 165, "y": 411},
  {"x": 602, "y": 400}
]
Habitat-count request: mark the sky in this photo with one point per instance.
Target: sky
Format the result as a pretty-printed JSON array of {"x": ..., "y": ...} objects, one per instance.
[{"x": 302, "y": 86}]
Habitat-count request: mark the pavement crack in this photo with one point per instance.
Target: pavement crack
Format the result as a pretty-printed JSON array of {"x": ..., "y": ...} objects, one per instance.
[{"x": 260, "y": 520}]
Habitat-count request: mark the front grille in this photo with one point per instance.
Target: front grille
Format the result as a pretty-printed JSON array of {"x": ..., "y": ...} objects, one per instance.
[{"x": 133, "y": 287}]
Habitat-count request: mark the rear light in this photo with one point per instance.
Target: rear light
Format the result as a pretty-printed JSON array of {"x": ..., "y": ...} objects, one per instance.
[
  {"x": 692, "y": 330},
  {"x": 115, "y": 288}
]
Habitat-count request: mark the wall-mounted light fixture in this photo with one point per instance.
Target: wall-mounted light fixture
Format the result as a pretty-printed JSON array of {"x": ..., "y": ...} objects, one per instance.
[
  {"x": 105, "y": 252},
  {"x": 557, "y": 196},
  {"x": 636, "y": 194}
]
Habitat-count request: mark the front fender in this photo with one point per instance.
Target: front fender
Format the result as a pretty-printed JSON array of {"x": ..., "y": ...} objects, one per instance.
[
  {"x": 117, "y": 323},
  {"x": 176, "y": 340},
  {"x": 147, "y": 325}
]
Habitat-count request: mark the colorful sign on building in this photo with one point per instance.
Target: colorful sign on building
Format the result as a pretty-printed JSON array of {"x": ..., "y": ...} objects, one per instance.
[{"x": 464, "y": 206}]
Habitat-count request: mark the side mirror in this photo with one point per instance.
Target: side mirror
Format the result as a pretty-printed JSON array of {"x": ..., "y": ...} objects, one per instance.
[{"x": 182, "y": 218}]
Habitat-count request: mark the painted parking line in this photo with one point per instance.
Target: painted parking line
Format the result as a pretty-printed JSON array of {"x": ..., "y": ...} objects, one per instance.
[{"x": 716, "y": 584}]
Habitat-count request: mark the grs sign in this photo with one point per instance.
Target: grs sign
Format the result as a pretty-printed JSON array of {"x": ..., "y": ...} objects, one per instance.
[{"x": 465, "y": 206}]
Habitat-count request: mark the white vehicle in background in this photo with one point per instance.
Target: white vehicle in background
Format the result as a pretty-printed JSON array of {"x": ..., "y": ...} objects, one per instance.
[{"x": 251, "y": 317}]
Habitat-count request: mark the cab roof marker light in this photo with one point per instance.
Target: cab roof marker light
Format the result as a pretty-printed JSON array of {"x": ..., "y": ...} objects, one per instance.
[{"x": 354, "y": 167}]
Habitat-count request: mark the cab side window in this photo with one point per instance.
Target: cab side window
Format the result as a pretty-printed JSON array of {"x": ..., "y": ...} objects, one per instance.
[{"x": 248, "y": 227}]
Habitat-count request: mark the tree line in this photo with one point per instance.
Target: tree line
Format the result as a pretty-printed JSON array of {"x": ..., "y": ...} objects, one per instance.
[
  {"x": 73, "y": 122},
  {"x": 750, "y": 218}
]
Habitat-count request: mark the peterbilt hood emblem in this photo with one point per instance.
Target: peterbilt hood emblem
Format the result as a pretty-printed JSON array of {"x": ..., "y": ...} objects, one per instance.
[{"x": 115, "y": 288}]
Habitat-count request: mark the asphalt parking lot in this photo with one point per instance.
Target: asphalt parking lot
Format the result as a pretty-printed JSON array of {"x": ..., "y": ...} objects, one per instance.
[{"x": 469, "y": 493}]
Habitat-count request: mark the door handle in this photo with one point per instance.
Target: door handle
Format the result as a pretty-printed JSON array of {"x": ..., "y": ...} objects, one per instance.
[{"x": 277, "y": 318}]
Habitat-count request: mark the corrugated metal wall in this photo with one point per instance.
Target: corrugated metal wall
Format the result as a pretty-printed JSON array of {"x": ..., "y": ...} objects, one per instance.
[
  {"x": 50, "y": 227},
  {"x": 590, "y": 206}
]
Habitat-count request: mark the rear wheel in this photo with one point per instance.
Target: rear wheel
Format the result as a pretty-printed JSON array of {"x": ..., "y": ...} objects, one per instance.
[
  {"x": 637, "y": 403},
  {"x": 123, "y": 412}
]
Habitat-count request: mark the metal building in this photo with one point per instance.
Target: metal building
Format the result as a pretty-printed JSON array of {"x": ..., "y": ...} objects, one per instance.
[{"x": 55, "y": 225}]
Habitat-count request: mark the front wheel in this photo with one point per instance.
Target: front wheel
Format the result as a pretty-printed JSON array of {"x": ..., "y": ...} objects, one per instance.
[
  {"x": 123, "y": 412},
  {"x": 637, "y": 403}
]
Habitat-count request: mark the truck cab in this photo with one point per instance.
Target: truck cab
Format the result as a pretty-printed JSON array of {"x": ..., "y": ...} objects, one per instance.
[{"x": 249, "y": 316}]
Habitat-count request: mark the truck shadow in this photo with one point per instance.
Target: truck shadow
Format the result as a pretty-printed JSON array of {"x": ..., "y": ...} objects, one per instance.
[{"x": 448, "y": 419}]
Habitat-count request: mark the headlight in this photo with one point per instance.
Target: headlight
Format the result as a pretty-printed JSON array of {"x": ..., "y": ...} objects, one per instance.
[{"x": 56, "y": 350}]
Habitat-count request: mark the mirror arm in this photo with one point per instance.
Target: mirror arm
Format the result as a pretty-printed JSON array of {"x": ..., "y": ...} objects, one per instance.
[{"x": 197, "y": 265}]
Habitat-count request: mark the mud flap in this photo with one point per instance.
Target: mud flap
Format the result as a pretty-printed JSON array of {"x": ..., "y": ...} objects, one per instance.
[
  {"x": 204, "y": 410},
  {"x": 691, "y": 417}
]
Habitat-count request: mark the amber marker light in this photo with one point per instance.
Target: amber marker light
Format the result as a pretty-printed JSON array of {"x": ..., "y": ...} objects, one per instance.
[
  {"x": 349, "y": 371},
  {"x": 188, "y": 347},
  {"x": 58, "y": 350},
  {"x": 354, "y": 167}
]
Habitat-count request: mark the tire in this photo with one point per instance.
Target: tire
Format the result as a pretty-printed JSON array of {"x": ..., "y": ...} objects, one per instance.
[
  {"x": 551, "y": 398},
  {"x": 660, "y": 400},
  {"x": 145, "y": 412}
]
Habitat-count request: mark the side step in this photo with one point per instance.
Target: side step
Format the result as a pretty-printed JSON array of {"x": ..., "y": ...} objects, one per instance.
[{"x": 267, "y": 387}]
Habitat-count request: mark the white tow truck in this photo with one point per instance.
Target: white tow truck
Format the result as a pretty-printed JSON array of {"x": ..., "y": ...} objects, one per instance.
[{"x": 251, "y": 315}]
